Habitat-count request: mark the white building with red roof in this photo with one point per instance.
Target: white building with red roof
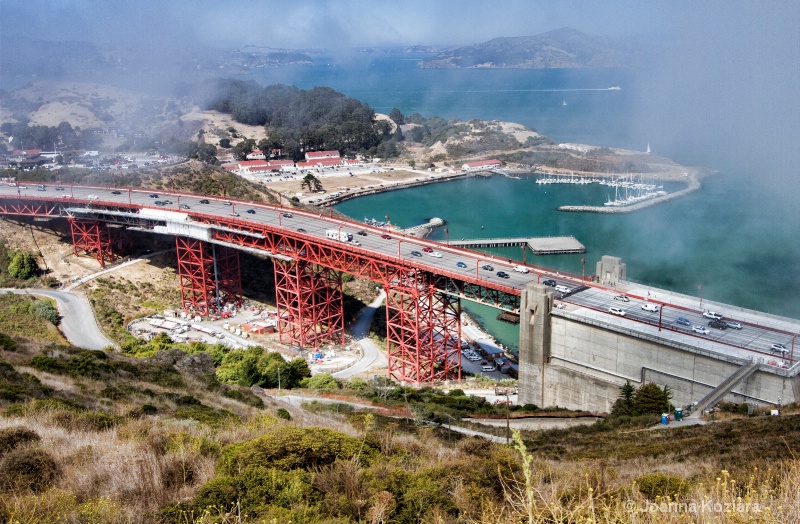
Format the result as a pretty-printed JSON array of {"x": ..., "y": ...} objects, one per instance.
[{"x": 320, "y": 155}]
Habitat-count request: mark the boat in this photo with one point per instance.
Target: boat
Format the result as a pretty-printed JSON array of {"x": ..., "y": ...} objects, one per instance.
[
  {"x": 564, "y": 103},
  {"x": 615, "y": 88}
]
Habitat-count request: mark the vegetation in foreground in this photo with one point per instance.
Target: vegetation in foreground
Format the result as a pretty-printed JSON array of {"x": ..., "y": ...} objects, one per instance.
[{"x": 87, "y": 436}]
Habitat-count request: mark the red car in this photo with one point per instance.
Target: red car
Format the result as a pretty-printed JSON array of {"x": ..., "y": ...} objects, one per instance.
[
  {"x": 427, "y": 249},
  {"x": 387, "y": 237}
]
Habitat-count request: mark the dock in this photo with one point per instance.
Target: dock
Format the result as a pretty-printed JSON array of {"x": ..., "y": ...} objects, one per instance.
[{"x": 537, "y": 245}]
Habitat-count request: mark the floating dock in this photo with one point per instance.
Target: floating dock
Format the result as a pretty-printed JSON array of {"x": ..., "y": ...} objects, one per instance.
[{"x": 537, "y": 245}]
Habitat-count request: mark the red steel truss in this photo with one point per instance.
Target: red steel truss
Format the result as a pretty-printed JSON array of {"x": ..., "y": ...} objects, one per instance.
[
  {"x": 209, "y": 276},
  {"x": 423, "y": 334},
  {"x": 92, "y": 237},
  {"x": 310, "y": 305}
]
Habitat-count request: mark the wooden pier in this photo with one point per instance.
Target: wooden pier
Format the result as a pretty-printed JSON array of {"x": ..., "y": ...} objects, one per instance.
[{"x": 537, "y": 245}]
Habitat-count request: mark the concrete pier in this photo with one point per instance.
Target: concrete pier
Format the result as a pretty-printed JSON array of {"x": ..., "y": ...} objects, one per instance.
[{"x": 537, "y": 245}]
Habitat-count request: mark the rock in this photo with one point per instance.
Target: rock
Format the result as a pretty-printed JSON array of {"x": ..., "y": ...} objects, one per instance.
[{"x": 200, "y": 364}]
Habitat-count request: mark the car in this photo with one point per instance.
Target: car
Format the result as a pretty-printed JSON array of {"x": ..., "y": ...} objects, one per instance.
[
  {"x": 362, "y": 233},
  {"x": 779, "y": 348},
  {"x": 153, "y": 195},
  {"x": 160, "y": 203},
  {"x": 59, "y": 188},
  {"x": 287, "y": 215},
  {"x": 502, "y": 274},
  {"x": 227, "y": 203},
  {"x": 427, "y": 249},
  {"x": 41, "y": 187},
  {"x": 733, "y": 324},
  {"x": 93, "y": 197},
  {"x": 713, "y": 315},
  {"x": 251, "y": 211},
  {"x": 717, "y": 324},
  {"x": 416, "y": 254},
  {"x": 562, "y": 289},
  {"x": 521, "y": 269},
  {"x": 386, "y": 237},
  {"x": 683, "y": 321},
  {"x": 185, "y": 206},
  {"x": 435, "y": 254},
  {"x": 617, "y": 311},
  {"x": 653, "y": 308},
  {"x": 461, "y": 264},
  {"x": 355, "y": 242},
  {"x": 473, "y": 358},
  {"x": 113, "y": 192},
  {"x": 701, "y": 329},
  {"x": 487, "y": 267},
  {"x": 549, "y": 283},
  {"x": 622, "y": 298},
  {"x": 234, "y": 214},
  {"x": 204, "y": 201},
  {"x": 488, "y": 368},
  {"x": 301, "y": 230}
]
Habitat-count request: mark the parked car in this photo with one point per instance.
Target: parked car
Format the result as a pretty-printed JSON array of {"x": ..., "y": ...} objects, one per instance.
[
  {"x": 502, "y": 274},
  {"x": 712, "y": 315},
  {"x": 549, "y": 283},
  {"x": 461, "y": 264},
  {"x": 653, "y": 308},
  {"x": 622, "y": 298},
  {"x": 488, "y": 368},
  {"x": 617, "y": 311},
  {"x": 683, "y": 321},
  {"x": 733, "y": 324},
  {"x": 717, "y": 324},
  {"x": 487, "y": 267},
  {"x": 701, "y": 329},
  {"x": 416, "y": 254}
]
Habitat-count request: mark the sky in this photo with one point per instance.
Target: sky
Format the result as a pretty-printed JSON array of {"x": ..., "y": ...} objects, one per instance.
[{"x": 326, "y": 23}]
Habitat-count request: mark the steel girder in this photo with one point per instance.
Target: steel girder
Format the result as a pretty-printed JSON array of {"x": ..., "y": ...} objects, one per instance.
[
  {"x": 92, "y": 237},
  {"x": 423, "y": 334},
  {"x": 209, "y": 276},
  {"x": 30, "y": 207},
  {"x": 310, "y": 303}
]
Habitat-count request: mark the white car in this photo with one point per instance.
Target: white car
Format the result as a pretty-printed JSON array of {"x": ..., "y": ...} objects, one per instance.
[
  {"x": 92, "y": 197},
  {"x": 435, "y": 254},
  {"x": 651, "y": 307},
  {"x": 521, "y": 269},
  {"x": 617, "y": 311},
  {"x": 700, "y": 329},
  {"x": 488, "y": 368}
]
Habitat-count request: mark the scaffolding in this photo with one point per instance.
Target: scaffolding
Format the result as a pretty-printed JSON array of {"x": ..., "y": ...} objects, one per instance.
[{"x": 209, "y": 276}]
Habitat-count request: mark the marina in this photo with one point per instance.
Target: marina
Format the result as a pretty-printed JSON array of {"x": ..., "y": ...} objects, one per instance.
[{"x": 537, "y": 245}]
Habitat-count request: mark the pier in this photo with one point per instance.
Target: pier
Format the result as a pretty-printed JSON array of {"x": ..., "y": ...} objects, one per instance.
[{"x": 537, "y": 245}]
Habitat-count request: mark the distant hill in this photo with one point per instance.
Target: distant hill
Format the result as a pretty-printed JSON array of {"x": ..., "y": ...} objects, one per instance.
[{"x": 562, "y": 48}]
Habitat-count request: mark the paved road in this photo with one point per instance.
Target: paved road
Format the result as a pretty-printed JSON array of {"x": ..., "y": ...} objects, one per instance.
[
  {"x": 370, "y": 351},
  {"x": 77, "y": 318}
]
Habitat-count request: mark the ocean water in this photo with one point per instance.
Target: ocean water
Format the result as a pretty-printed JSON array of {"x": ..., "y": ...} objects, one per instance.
[{"x": 737, "y": 238}]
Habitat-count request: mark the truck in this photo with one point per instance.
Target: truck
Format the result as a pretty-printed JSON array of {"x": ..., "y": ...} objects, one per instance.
[{"x": 342, "y": 236}]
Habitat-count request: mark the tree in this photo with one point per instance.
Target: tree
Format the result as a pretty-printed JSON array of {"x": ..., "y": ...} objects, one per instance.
[
  {"x": 650, "y": 399},
  {"x": 243, "y": 148},
  {"x": 225, "y": 143},
  {"x": 397, "y": 117},
  {"x": 22, "y": 266},
  {"x": 311, "y": 182},
  {"x": 624, "y": 404}
]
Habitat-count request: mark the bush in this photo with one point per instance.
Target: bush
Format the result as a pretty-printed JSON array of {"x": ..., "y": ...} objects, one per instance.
[
  {"x": 7, "y": 343},
  {"x": 28, "y": 469},
  {"x": 320, "y": 382},
  {"x": 284, "y": 414},
  {"x": 44, "y": 309},
  {"x": 11, "y": 438},
  {"x": 659, "y": 484}
]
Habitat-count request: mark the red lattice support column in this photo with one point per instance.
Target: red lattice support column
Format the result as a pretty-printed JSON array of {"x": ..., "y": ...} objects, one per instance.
[
  {"x": 92, "y": 237},
  {"x": 209, "y": 276},
  {"x": 423, "y": 335},
  {"x": 310, "y": 305}
]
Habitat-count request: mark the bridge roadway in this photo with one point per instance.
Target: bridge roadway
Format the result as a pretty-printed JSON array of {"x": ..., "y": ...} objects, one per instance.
[{"x": 756, "y": 337}]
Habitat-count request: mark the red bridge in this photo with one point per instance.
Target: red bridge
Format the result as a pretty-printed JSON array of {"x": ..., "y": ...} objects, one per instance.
[{"x": 424, "y": 281}]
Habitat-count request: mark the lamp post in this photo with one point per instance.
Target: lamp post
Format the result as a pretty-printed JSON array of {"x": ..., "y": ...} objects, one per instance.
[
  {"x": 524, "y": 253},
  {"x": 447, "y": 236},
  {"x": 700, "y": 288},
  {"x": 583, "y": 271}
]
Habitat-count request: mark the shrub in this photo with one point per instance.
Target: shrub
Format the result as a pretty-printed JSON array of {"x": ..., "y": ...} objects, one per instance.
[
  {"x": 45, "y": 309},
  {"x": 11, "y": 438},
  {"x": 321, "y": 382},
  {"x": 284, "y": 414},
  {"x": 655, "y": 485},
  {"x": 28, "y": 469},
  {"x": 7, "y": 343}
]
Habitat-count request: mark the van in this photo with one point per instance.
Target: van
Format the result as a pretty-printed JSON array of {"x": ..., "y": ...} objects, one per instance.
[
  {"x": 488, "y": 368},
  {"x": 650, "y": 307},
  {"x": 521, "y": 269},
  {"x": 562, "y": 289},
  {"x": 40, "y": 187}
]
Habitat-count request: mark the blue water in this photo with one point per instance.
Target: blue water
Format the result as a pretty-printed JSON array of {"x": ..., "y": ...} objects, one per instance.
[{"x": 736, "y": 238}]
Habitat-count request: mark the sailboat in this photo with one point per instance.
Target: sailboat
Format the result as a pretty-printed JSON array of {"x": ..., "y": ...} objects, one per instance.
[
  {"x": 564, "y": 103},
  {"x": 648, "y": 148}
]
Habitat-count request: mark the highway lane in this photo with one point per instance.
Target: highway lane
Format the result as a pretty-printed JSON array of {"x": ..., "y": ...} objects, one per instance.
[{"x": 756, "y": 338}]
